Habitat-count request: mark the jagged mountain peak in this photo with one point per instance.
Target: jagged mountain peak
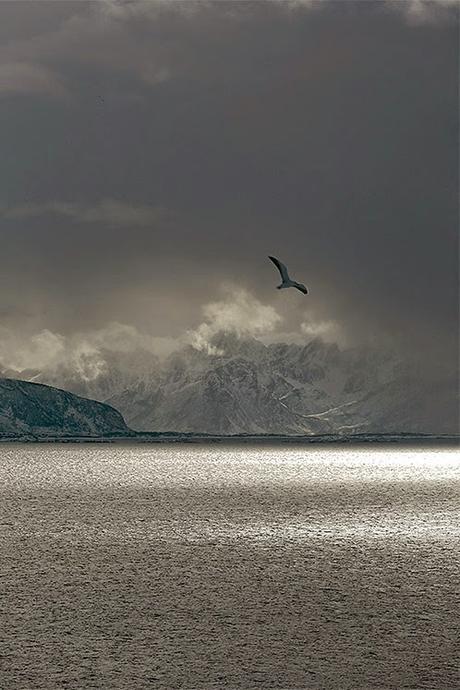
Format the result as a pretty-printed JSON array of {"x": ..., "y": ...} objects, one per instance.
[{"x": 242, "y": 385}]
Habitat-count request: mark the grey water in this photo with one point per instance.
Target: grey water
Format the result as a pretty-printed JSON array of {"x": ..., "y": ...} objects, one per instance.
[{"x": 208, "y": 567}]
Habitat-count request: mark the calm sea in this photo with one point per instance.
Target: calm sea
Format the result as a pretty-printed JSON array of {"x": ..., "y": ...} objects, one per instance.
[{"x": 215, "y": 567}]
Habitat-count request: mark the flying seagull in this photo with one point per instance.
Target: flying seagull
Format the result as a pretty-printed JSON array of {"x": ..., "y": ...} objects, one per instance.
[{"x": 286, "y": 281}]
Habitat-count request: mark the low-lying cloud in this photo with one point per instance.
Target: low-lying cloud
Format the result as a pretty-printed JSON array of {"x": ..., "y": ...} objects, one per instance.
[
  {"x": 329, "y": 331},
  {"x": 38, "y": 351},
  {"x": 240, "y": 313},
  {"x": 23, "y": 77},
  {"x": 83, "y": 353},
  {"x": 106, "y": 212}
]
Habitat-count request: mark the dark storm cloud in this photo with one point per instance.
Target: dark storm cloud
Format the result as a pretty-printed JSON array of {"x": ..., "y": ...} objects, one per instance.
[{"x": 325, "y": 134}]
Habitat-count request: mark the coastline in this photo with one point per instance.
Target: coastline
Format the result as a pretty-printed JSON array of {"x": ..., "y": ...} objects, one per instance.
[{"x": 246, "y": 439}]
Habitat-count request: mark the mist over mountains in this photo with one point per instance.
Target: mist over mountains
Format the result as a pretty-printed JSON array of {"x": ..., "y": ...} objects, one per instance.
[
  {"x": 239, "y": 384},
  {"x": 155, "y": 154}
]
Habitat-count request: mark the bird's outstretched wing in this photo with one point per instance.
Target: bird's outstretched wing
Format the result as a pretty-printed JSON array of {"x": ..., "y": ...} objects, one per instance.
[
  {"x": 301, "y": 287},
  {"x": 281, "y": 268}
]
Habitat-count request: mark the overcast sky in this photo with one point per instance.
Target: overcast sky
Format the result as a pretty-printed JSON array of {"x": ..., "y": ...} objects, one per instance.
[{"x": 153, "y": 153}]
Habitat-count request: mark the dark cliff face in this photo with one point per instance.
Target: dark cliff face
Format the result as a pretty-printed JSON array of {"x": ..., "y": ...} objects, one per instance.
[{"x": 39, "y": 410}]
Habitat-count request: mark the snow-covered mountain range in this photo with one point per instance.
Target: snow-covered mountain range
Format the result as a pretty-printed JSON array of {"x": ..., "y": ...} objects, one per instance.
[{"x": 252, "y": 387}]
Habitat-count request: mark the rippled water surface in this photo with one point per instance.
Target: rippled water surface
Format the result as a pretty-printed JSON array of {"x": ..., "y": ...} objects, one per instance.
[{"x": 214, "y": 567}]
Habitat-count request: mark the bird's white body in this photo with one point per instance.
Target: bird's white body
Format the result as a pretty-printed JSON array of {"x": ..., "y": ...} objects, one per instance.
[{"x": 288, "y": 284}]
